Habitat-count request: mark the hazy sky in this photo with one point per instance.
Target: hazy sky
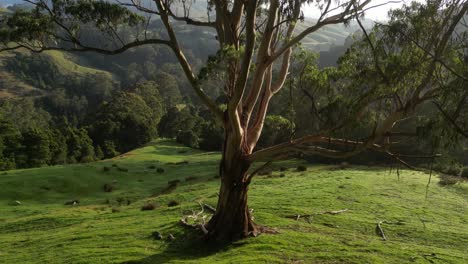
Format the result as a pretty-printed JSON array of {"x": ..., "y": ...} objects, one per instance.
[{"x": 378, "y": 13}]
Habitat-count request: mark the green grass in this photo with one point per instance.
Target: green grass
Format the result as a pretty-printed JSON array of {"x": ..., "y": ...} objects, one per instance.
[
  {"x": 13, "y": 86},
  {"x": 44, "y": 230},
  {"x": 68, "y": 66}
]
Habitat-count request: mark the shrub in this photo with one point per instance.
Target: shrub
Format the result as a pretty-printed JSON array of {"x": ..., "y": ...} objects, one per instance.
[
  {"x": 122, "y": 169},
  {"x": 454, "y": 171},
  {"x": 151, "y": 167},
  {"x": 464, "y": 173},
  {"x": 160, "y": 170},
  {"x": 211, "y": 137},
  {"x": 115, "y": 210},
  {"x": 120, "y": 200},
  {"x": 172, "y": 203},
  {"x": 301, "y": 168},
  {"x": 188, "y": 138},
  {"x": 108, "y": 187},
  {"x": 190, "y": 178},
  {"x": 173, "y": 182},
  {"x": 106, "y": 169},
  {"x": 148, "y": 207},
  {"x": 283, "y": 169},
  {"x": 447, "y": 180}
]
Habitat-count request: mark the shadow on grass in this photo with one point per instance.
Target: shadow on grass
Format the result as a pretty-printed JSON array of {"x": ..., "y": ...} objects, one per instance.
[{"x": 188, "y": 246}]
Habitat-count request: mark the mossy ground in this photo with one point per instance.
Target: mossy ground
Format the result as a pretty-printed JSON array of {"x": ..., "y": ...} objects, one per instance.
[{"x": 44, "y": 230}]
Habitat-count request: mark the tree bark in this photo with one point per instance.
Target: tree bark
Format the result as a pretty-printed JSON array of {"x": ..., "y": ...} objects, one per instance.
[{"x": 232, "y": 219}]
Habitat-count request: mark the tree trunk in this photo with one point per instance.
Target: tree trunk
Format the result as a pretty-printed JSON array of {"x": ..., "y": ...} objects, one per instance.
[{"x": 232, "y": 219}]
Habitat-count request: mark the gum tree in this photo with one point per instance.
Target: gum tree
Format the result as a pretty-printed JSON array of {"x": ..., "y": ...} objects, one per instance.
[{"x": 256, "y": 39}]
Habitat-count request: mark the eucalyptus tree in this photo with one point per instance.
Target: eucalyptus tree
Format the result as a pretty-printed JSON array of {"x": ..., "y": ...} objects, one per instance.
[{"x": 256, "y": 39}]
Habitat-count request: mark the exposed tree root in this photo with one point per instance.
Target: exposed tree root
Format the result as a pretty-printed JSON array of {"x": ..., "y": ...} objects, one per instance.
[{"x": 198, "y": 221}]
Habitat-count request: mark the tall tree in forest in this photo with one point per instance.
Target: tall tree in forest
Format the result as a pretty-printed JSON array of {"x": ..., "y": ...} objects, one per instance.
[{"x": 255, "y": 38}]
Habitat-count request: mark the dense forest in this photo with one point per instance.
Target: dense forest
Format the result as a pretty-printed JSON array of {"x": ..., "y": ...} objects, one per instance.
[{"x": 60, "y": 108}]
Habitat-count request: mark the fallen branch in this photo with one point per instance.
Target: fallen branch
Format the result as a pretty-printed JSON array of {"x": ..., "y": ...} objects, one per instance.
[
  {"x": 379, "y": 230},
  {"x": 200, "y": 227},
  {"x": 298, "y": 216},
  {"x": 209, "y": 208},
  {"x": 197, "y": 217}
]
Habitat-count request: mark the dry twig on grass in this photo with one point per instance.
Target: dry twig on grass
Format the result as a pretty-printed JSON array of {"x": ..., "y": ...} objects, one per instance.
[
  {"x": 298, "y": 216},
  {"x": 379, "y": 230}
]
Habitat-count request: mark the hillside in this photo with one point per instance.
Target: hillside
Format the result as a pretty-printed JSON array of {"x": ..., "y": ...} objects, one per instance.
[
  {"x": 44, "y": 230},
  {"x": 12, "y": 84}
]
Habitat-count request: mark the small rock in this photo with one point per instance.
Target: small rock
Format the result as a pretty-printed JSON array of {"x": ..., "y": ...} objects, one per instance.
[
  {"x": 16, "y": 203},
  {"x": 156, "y": 235},
  {"x": 72, "y": 202}
]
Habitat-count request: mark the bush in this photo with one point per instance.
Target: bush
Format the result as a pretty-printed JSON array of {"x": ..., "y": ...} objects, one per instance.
[
  {"x": 108, "y": 187},
  {"x": 454, "y": 171},
  {"x": 172, "y": 203},
  {"x": 160, "y": 170},
  {"x": 148, "y": 207},
  {"x": 187, "y": 138},
  {"x": 447, "y": 180},
  {"x": 173, "y": 182},
  {"x": 301, "y": 168},
  {"x": 122, "y": 169},
  {"x": 211, "y": 137},
  {"x": 464, "y": 173},
  {"x": 190, "y": 178},
  {"x": 106, "y": 169}
]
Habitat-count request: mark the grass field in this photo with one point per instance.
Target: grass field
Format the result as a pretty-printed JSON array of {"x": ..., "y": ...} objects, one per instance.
[{"x": 44, "y": 230}]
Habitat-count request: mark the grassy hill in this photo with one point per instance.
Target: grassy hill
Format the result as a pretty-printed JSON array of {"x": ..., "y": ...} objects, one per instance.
[
  {"x": 44, "y": 230},
  {"x": 12, "y": 85}
]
